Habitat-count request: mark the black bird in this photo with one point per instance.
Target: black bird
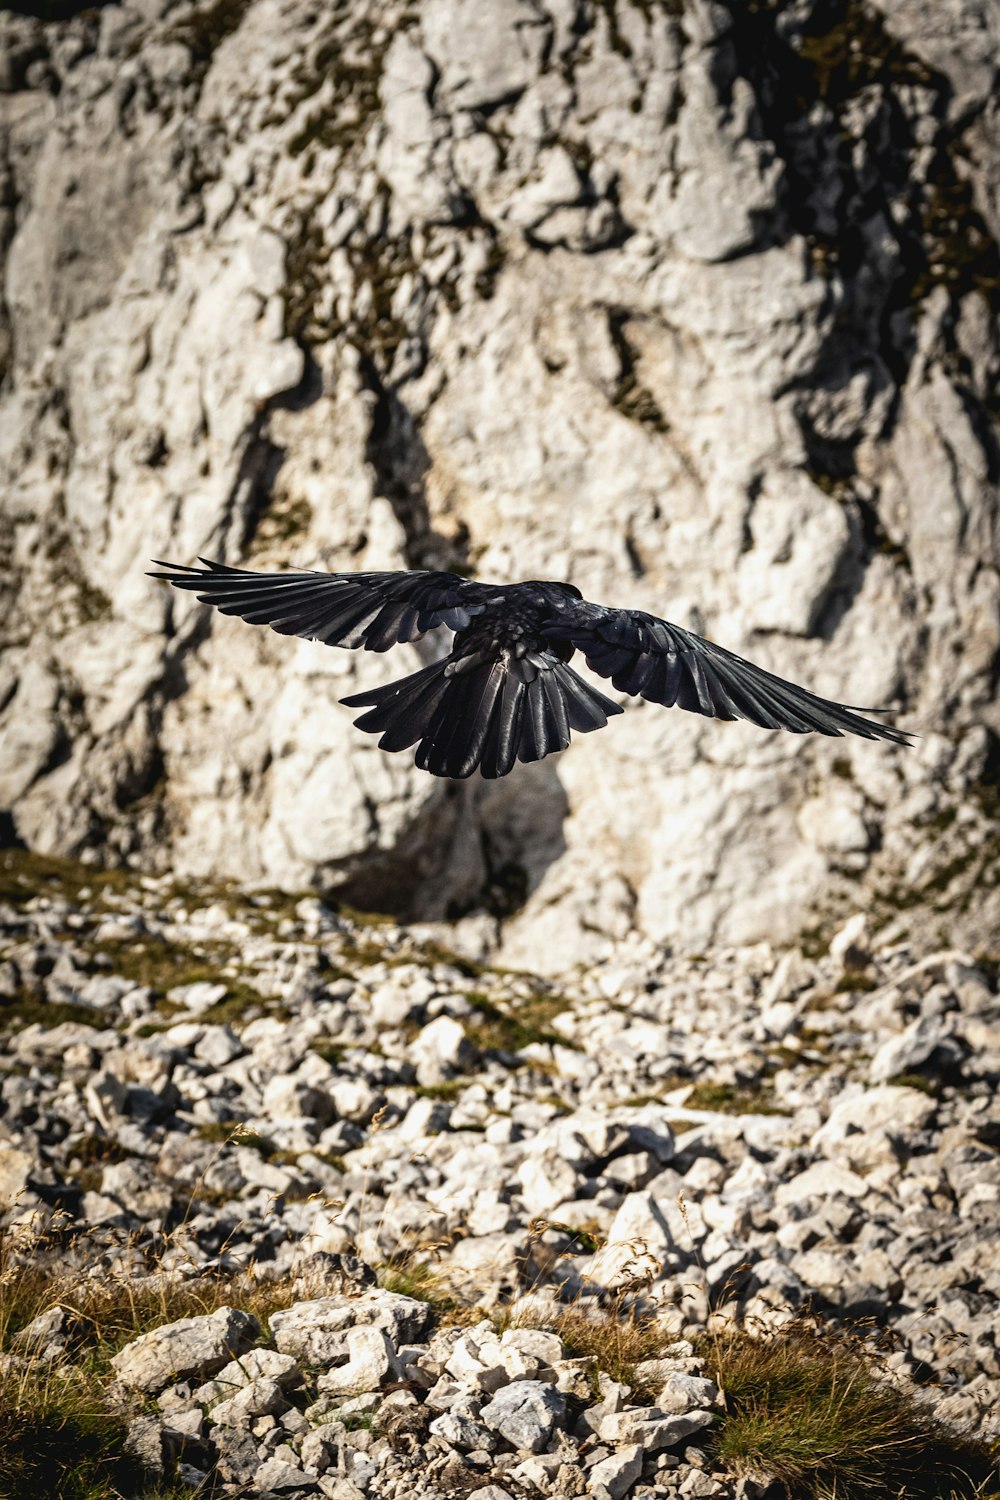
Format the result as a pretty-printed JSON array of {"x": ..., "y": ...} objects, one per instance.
[{"x": 506, "y": 692}]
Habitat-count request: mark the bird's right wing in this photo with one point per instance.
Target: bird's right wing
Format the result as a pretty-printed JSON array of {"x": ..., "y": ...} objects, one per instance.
[
  {"x": 374, "y": 610},
  {"x": 661, "y": 662}
]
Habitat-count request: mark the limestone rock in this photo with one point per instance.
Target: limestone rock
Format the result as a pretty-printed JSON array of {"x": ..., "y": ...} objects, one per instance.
[
  {"x": 314, "y": 1332},
  {"x": 552, "y": 294},
  {"x": 615, "y": 1475},
  {"x": 525, "y": 1413},
  {"x": 925, "y": 1045},
  {"x": 371, "y": 1359},
  {"x": 191, "y": 1347},
  {"x": 15, "y": 1172}
]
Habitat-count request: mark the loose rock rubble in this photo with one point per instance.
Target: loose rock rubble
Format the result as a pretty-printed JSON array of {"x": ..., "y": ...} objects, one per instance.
[{"x": 197, "y": 1082}]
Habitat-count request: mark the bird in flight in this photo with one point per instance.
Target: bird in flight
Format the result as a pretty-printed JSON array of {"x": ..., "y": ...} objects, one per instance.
[{"x": 507, "y": 692}]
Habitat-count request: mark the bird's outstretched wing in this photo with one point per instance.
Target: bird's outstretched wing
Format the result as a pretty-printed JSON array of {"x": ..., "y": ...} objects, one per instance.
[
  {"x": 374, "y": 610},
  {"x": 653, "y": 659}
]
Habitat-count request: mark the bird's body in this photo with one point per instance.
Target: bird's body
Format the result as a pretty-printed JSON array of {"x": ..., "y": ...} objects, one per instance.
[{"x": 507, "y": 692}]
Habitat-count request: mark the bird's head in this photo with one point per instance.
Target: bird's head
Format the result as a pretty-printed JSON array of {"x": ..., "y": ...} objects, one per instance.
[{"x": 546, "y": 586}]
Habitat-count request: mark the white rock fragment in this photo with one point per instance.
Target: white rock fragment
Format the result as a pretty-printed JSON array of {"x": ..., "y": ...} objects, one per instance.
[
  {"x": 652, "y": 1428},
  {"x": 683, "y": 1393},
  {"x": 258, "y": 1398},
  {"x": 525, "y": 1413},
  {"x": 612, "y": 1477},
  {"x": 191, "y": 1347},
  {"x": 821, "y": 1180},
  {"x": 371, "y": 1360},
  {"x": 106, "y": 1097},
  {"x": 908, "y": 1052},
  {"x": 463, "y": 1432},
  {"x": 256, "y": 1364},
  {"x": 441, "y": 1050},
  {"x": 15, "y": 1170}
]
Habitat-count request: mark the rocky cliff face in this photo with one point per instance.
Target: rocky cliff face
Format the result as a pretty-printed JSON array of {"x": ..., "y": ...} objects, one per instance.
[{"x": 693, "y": 304}]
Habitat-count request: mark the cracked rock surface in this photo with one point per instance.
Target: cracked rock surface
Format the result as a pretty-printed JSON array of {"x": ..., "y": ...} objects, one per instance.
[{"x": 694, "y": 304}]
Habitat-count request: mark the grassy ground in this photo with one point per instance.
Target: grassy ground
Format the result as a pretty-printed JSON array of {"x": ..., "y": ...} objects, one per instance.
[
  {"x": 62, "y": 1429},
  {"x": 807, "y": 1406},
  {"x": 812, "y": 1408}
]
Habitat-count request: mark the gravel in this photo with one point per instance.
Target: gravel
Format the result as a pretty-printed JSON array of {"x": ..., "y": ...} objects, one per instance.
[{"x": 660, "y": 1124}]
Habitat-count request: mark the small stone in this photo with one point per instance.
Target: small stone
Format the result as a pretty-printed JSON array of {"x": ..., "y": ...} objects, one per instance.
[
  {"x": 260, "y": 1398},
  {"x": 682, "y": 1393},
  {"x": 425, "y": 1117},
  {"x": 614, "y": 1476},
  {"x": 238, "y": 1460},
  {"x": 43, "y": 1330},
  {"x": 318, "y": 1450},
  {"x": 901, "y": 1111},
  {"x": 287, "y": 1097},
  {"x": 280, "y": 1475},
  {"x": 525, "y": 1413},
  {"x": 15, "y": 1170},
  {"x": 821, "y": 1180},
  {"x": 337, "y": 1487},
  {"x": 372, "y": 1358},
  {"x": 651, "y": 1427},
  {"x": 545, "y": 1182},
  {"x": 251, "y": 1366},
  {"x": 442, "y": 1050},
  {"x": 699, "y": 1484},
  {"x": 314, "y": 1331},
  {"x": 925, "y": 1045},
  {"x": 191, "y": 1476},
  {"x": 463, "y": 1432},
  {"x": 535, "y": 1347},
  {"x": 106, "y": 1097},
  {"x": 477, "y": 1360},
  {"x": 147, "y": 1441},
  {"x": 188, "y": 1425},
  {"x": 197, "y": 997},
  {"x": 218, "y": 1045},
  {"x": 851, "y": 945}
]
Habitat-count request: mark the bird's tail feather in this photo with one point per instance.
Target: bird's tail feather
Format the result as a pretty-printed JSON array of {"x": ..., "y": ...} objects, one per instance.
[{"x": 485, "y": 713}]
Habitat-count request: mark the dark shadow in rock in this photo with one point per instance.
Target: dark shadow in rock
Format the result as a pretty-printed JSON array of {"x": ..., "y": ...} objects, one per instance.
[
  {"x": 871, "y": 150},
  {"x": 400, "y": 461},
  {"x": 57, "y": 10},
  {"x": 521, "y": 829},
  {"x": 9, "y": 836},
  {"x": 474, "y": 847}
]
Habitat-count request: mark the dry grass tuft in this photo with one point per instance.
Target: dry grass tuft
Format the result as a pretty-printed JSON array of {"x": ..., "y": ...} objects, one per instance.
[
  {"x": 809, "y": 1408},
  {"x": 59, "y": 1437},
  {"x": 104, "y": 1313},
  {"x": 62, "y": 1431},
  {"x": 415, "y": 1278},
  {"x": 616, "y": 1338}
]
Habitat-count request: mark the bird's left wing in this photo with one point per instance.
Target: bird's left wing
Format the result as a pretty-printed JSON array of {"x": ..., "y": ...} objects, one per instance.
[
  {"x": 653, "y": 659},
  {"x": 374, "y": 610}
]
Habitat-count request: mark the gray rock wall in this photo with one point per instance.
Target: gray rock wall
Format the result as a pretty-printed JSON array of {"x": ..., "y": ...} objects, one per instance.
[{"x": 694, "y": 304}]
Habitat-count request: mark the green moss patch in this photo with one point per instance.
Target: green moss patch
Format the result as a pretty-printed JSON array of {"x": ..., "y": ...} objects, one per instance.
[
  {"x": 733, "y": 1099},
  {"x": 520, "y": 1024}
]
